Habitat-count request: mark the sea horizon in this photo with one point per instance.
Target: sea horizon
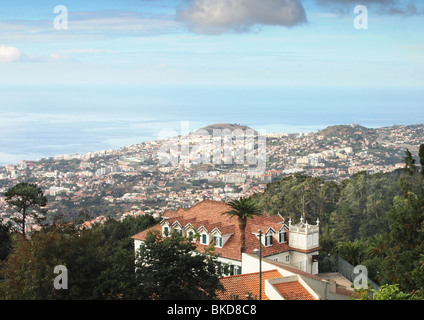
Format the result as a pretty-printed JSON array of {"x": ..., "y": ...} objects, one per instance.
[{"x": 47, "y": 121}]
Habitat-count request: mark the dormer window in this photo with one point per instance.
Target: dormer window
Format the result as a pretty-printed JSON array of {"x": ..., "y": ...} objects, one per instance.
[
  {"x": 165, "y": 231},
  {"x": 282, "y": 237},
  {"x": 268, "y": 240},
  {"x": 178, "y": 232},
  {"x": 217, "y": 241},
  {"x": 191, "y": 236},
  {"x": 204, "y": 239}
]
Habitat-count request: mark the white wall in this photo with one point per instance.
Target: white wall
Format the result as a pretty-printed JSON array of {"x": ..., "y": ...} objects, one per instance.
[
  {"x": 250, "y": 264},
  {"x": 324, "y": 288}
]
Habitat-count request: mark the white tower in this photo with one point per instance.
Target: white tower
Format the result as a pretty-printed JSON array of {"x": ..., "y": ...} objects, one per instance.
[{"x": 304, "y": 242}]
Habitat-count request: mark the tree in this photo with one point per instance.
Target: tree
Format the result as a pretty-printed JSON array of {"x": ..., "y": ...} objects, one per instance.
[
  {"x": 99, "y": 260},
  {"x": 421, "y": 155},
  {"x": 392, "y": 292},
  {"x": 5, "y": 240},
  {"x": 352, "y": 252},
  {"x": 405, "y": 243},
  {"x": 285, "y": 197},
  {"x": 409, "y": 162},
  {"x": 167, "y": 269},
  {"x": 28, "y": 200},
  {"x": 243, "y": 209},
  {"x": 386, "y": 292},
  {"x": 119, "y": 281},
  {"x": 29, "y": 269}
]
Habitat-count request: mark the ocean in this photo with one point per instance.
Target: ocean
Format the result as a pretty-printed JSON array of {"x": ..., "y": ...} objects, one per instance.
[{"x": 44, "y": 121}]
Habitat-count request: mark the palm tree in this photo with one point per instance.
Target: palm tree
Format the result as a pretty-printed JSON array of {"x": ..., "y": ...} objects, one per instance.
[
  {"x": 243, "y": 209},
  {"x": 378, "y": 246},
  {"x": 352, "y": 252}
]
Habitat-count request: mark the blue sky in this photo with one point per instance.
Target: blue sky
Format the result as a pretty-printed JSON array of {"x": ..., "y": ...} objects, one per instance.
[
  {"x": 124, "y": 70},
  {"x": 147, "y": 42}
]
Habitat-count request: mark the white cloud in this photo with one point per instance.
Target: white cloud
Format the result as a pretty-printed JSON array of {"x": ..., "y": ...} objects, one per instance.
[
  {"x": 221, "y": 16},
  {"x": 9, "y": 54}
]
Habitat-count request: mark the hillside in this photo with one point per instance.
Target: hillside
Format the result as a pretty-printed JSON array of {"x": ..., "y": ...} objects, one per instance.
[
  {"x": 222, "y": 126},
  {"x": 347, "y": 131}
]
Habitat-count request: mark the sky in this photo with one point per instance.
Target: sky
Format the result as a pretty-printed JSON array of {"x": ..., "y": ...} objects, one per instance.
[
  {"x": 232, "y": 42},
  {"x": 144, "y": 63}
]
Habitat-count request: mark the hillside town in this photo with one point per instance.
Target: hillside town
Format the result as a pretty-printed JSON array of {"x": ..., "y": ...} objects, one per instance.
[{"x": 132, "y": 180}]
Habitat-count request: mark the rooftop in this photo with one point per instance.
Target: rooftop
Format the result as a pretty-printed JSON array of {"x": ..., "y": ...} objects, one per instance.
[
  {"x": 241, "y": 286},
  {"x": 238, "y": 287},
  {"x": 208, "y": 215}
]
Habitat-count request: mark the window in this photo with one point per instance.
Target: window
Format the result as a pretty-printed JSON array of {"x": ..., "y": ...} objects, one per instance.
[
  {"x": 287, "y": 258},
  {"x": 268, "y": 240},
  {"x": 178, "y": 232},
  {"x": 191, "y": 236},
  {"x": 166, "y": 231},
  {"x": 220, "y": 268},
  {"x": 217, "y": 241},
  {"x": 283, "y": 237},
  {"x": 235, "y": 270},
  {"x": 204, "y": 238}
]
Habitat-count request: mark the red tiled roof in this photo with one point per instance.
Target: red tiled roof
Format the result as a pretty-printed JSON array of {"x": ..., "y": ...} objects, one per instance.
[
  {"x": 293, "y": 290},
  {"x": 210, "y": 214},
  {"x": 241, "y": 285},
  {"x": 225, "y": 230}
]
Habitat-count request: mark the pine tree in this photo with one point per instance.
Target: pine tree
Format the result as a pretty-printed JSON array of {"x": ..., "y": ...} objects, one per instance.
[{"x": 28, "y": 199}]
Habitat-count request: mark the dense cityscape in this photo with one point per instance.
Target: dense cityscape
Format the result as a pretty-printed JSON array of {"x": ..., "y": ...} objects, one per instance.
[{"x": 131, "y": 181}]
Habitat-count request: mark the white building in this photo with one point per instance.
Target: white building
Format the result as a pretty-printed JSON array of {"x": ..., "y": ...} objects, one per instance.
[{"x": 291, "y": 248}]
